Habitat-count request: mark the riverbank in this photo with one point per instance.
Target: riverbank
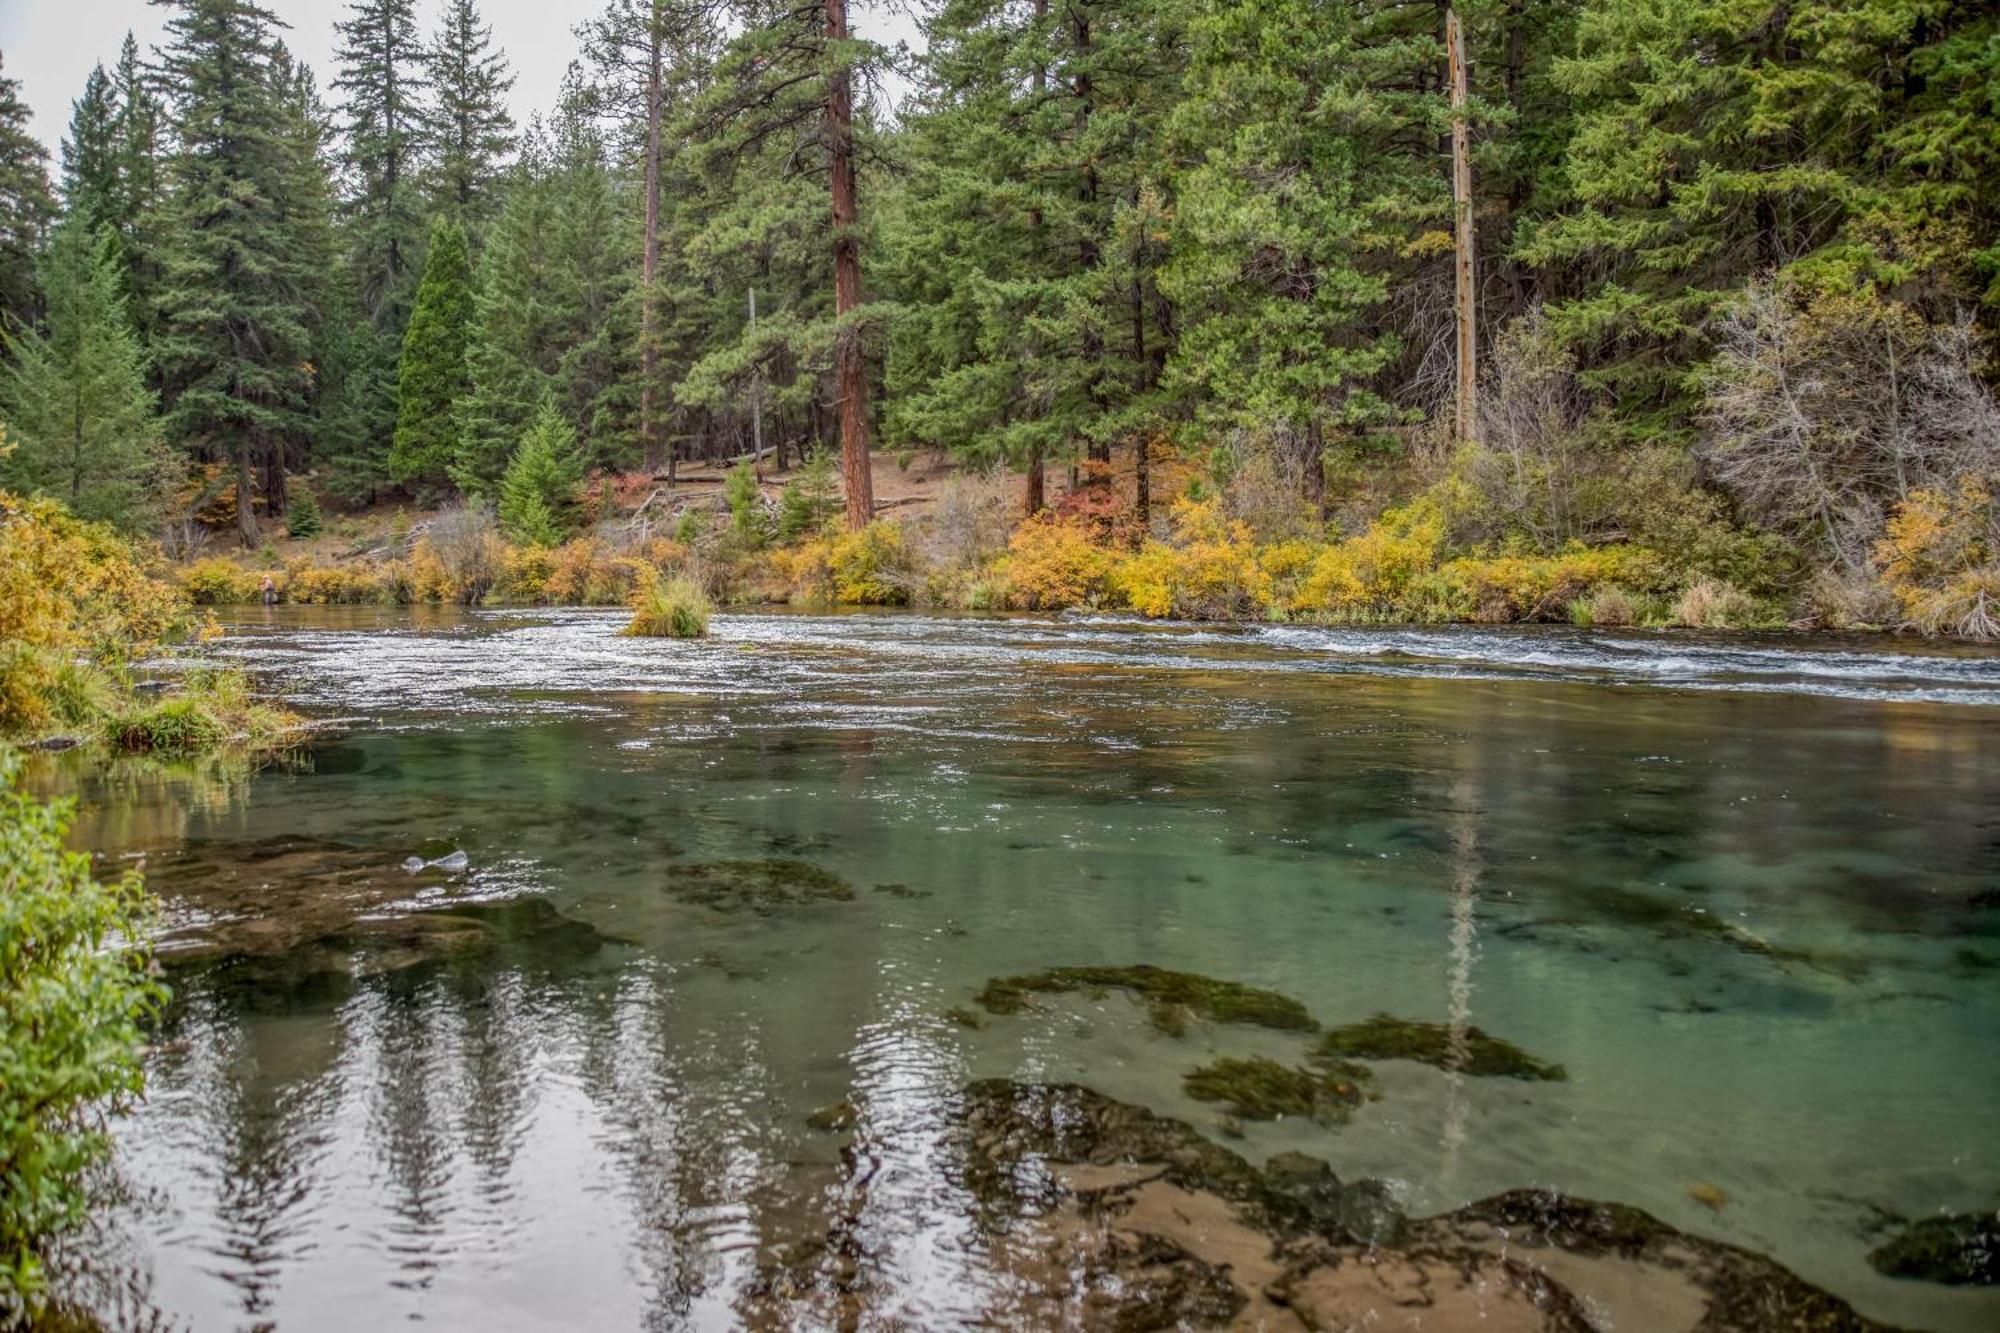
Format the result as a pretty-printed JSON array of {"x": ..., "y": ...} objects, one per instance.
[{"x": 1236, "y": 554}]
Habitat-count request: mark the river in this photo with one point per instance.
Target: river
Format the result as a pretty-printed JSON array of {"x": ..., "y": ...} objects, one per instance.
[{"x": 731, "y": 895}]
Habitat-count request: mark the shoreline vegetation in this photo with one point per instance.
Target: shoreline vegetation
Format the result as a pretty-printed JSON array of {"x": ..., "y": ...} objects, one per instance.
[
  {"x": 1235, "y": 548},
  {"x": 99, "y": 647}
]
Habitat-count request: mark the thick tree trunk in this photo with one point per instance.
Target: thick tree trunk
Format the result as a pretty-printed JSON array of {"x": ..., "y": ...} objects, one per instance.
[
  {"x": 850, "y": 366},
  {"x": 246, "y": 512},
  {"x": 655, "y": 449},
  {"x": 1142, "y": 488},
  {"x": 1036, "y": 500}
]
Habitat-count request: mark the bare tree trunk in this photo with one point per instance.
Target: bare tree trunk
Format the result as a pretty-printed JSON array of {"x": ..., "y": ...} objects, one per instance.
[
  {"x": 655, "y": 452},
  {"x": 1467, "y": 423},
  {"x": 851, "y": 369}
]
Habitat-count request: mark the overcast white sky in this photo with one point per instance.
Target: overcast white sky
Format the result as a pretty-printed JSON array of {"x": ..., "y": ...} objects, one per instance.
[{"x": 50, "y": 45}]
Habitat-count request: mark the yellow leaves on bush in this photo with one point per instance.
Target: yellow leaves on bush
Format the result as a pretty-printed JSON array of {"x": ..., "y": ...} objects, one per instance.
[
  {"x": 1500, "y": 589},
  {"x": 77, "y": 587},
  {"x": 219, "y": 581},
  {"x": 802, "y": 572},
  {"x": 1052, "y": 563},
  {"x": 334, "y": 585},
  {"x": 1212, "y": 568},
  {"x": 867, "y": 566},
  {"x": 1941, "y": 559},
  {"x": 1371, "y": 575}
]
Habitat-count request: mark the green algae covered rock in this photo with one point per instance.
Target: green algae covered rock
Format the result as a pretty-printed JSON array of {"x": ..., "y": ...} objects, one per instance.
[
  {"x": 1261, "y": 1089},
  {"x": 760, "y": 886},
  {"x": 1385, "y": 1038},
  {"x": 1171, "y": 998},
  {"x": 1962, "y": 1249}
]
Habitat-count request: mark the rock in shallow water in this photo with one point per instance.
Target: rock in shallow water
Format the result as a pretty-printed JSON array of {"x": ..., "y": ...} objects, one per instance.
[
  {"x": 1097, "y": 1214},
  {"x": 1961, "y": 1249}
]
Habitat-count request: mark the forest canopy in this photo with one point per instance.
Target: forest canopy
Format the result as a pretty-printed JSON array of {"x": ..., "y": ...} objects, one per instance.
[{"x": 1732, "y": 273}]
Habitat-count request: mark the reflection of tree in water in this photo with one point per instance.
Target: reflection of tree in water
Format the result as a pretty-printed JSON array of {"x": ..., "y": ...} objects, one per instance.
[{"x": 259, "y": 1095}]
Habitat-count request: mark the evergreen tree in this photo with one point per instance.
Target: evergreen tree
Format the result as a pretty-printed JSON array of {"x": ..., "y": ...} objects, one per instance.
[
  {"x": 74, "y": 394},
  {"x": 1303, "y": 183},
  {"x": 235, "y": 341},
  {"x": 518, "y": 325},
  {"x": 27, "y": 205},
  {"x": 538, "y": 491},
  {"x": 433, "y": 378},
  {"x": 467, "y": 122},
  {"x": 138, "y": 196},
  {"x": 90, "y": 158},
  {"x": 1035, "y": 329},
  {"x": 302, "y": 517},
  {"x": 382, "y": 76}
]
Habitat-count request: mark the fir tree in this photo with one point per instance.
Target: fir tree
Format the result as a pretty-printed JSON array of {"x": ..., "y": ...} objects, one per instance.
[
  {"x": 138, "y": 191},
  {"x": 84, "y": 424},
  {"x": 90, "y": 158},
  {"x": 538, "y": 491},
  {"x": 27, "y": 205},
  {"x": 467, "y": 122},
  {"x": 382, "y": 78},
  {"x": 302, "y": 517},
  {"x": 234, "y": 342},
  {"x": 433, "y": 378}
]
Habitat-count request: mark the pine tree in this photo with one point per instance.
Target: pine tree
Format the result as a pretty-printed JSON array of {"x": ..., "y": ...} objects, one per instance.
[
  {"x": 1038, "y": 332},
  {"x": 234, "y": 342},
  {"x": 518, "y": 329},
  {"x": 793, "y": 73},
  {"x": 1304, "y": 182},
  {"x": 434, "y": 379},
  {"x": 139, "y": 192},
  {"x": 90, "y": 153},
  {"x": 27, "y": 206},
  {"x": 74, "y": 396},
  {"x": 467, "y": 122},
  {"x": 538, "y": 491},
  {"x": 382, "y": 77}
]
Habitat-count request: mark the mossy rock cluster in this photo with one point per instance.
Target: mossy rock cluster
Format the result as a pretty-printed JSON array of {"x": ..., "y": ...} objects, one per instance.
[
  {"x": 760, "y": 886},
  {"x": 1263, "y": 1089},
  {"x": 1958, "y": 1250},
  {"x": 1171, "y": 998},
  {"x": 1471, "y": 1052}
]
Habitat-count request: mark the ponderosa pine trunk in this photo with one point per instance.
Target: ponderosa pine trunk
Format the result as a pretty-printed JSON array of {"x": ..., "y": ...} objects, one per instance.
[
  {"x": 850, "y": 368},
  {"x": 649, "y": 263}
]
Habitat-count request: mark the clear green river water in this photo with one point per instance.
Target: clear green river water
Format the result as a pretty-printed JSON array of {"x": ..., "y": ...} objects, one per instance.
[{"x": 1747, "y": 893}]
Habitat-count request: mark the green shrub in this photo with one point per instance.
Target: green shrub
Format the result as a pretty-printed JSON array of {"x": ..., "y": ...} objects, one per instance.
[
  {"x": 671, "y": 608},
  {"x": 74, "y": 990}
]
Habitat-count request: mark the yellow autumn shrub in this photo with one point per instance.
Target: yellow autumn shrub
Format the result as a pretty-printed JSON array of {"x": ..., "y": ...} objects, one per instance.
[
  {"x": 219, "y": 581},
  {"x": 1052, "y": 563},
  {"x": 1941, "y": 559},
  {"x": 869, "y": 567}
]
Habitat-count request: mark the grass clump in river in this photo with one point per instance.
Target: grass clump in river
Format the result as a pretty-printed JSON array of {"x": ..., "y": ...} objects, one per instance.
[
  {"x": 75, "y": 990},
  {"x": 758, "y": 886},
  {"x": 1262, "y": 1089},
  {"x": 1171, "y": 998},
  {"x": 670, "y": 608},
  {"x": 1385, "y": 1038}
]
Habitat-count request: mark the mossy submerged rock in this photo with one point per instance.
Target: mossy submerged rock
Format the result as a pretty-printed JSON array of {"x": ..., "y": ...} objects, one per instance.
[
  {"x": 1959, "y": 1249},
  {"x": 1169, "y": 996},
  {"x": 1471, "y": 1052},
  {"x": 1262, "y": 1089},
  {"x": 760, "y": 886}
]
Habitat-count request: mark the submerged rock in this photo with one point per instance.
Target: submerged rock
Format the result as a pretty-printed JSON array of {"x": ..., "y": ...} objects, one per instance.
[
  {"x": 1960, "y": 1249},
  {"x": 1120, "y": 1218},
  {"x": 1262, "y": 1089},
  {"x": 1468, "y": 1051},
  {"x": 760, "y": 886},
  {"x": 1170, "y": 997}
]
